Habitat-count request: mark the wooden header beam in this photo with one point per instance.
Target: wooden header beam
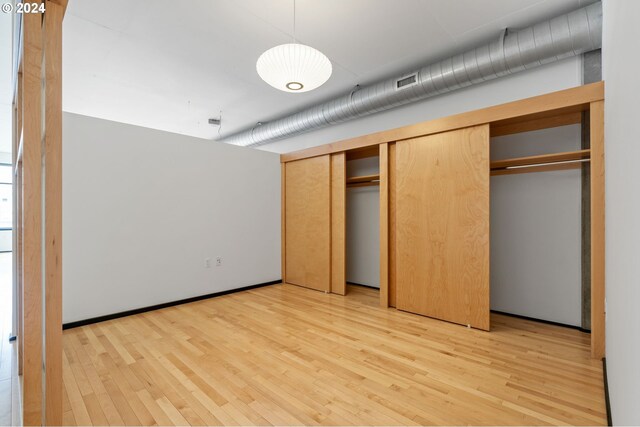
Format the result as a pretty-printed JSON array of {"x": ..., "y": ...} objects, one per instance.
[{"x": 530, "y": 112}]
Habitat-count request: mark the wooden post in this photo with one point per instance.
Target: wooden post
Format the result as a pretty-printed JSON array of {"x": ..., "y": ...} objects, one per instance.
[
  {"x": 17, "y": 222},
  {"x": 32, "y": 219},
  {"x": 19, "y": 289},
  {"x": 53, "y": 211},
  {"x": 384, "y": 225},
  {"x": 597, "y": 230},
  {"x": 283, "y": 210}
]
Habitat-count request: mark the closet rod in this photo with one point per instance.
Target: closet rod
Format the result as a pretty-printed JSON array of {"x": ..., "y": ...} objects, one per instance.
[
  {"x": 539, "y": 167},
  {"x": 547, "y": 164}
]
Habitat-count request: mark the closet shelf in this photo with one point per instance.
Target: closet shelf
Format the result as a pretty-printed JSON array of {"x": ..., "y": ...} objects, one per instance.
[
  {"x": 364, "y": 178},
  {"x": 541, "y": 163},
  {"x": 363, "y": 181}
]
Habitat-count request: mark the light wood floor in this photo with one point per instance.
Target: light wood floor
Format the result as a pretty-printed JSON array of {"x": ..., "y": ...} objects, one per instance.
[{"x": 286, "y": 355}]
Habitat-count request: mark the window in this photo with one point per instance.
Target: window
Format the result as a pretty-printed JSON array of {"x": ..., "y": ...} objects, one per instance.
[{"x": 6, "y": 207}]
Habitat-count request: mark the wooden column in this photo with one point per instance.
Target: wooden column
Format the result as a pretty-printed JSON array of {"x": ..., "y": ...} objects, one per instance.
[
  {"x": 19, "y": 289},
  {"x": 53, "y": 210},
  {"x": 384, "y": 225},
  {"x": 32, "y": 208},
  {"x": 38, "y": 213},
  {"x": 283, "y": 235},
  {"x": 17, "y": 221},
  {"x": 597, "y": 230}
]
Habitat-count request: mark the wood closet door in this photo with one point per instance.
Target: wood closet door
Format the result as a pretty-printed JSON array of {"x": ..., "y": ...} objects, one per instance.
[
  {"x": 442, "y": 226},
  {"x": 308, "y": 223}
]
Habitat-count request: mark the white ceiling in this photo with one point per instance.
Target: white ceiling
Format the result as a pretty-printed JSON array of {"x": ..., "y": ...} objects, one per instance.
[{"x": 171, "y": 65}]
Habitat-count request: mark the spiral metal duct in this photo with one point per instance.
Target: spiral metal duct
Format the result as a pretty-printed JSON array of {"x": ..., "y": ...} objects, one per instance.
[{"x": 564, "y": 36}]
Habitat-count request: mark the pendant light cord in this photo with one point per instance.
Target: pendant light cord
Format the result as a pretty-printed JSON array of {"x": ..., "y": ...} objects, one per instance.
[{"x": 294, "y": 22}]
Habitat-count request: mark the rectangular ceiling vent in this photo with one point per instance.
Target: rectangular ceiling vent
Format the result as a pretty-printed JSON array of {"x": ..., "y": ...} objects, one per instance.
[{"x": 407, "y": 81}]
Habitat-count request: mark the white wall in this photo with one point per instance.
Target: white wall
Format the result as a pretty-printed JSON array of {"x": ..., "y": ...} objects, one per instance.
[
  {"x": 363, "y": 226},
  {"x": 536, "y": 231},
  {"x": 621, "y": 63},
  {"x": 142, "y": 209}
]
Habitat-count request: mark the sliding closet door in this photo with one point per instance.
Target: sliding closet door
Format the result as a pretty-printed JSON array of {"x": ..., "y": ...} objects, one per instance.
[
  {"x": 308, "y": 223},
  {"x": 442, "y": 226}
]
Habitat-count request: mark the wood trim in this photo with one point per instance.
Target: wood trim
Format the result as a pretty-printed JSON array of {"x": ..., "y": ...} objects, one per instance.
[
  {"x": 597, "y": 230},
  {"x": 53, "y": 211},
  {"x": 384, "y": 225},
  {"x": 558, "y": 103},
  {"x": 518, "y": 126},
  {"x": 283, "y": 223},
  {"x": 338, "y": 224},
  {"x": 32, "y": 219}
]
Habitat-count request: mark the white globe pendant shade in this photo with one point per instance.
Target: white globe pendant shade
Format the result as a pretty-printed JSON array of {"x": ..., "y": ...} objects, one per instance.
[{"x": 294, "y": 67}]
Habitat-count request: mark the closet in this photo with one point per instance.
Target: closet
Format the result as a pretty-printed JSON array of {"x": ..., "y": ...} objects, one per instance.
[
  {"x": 537, "y": 223},
  {"x": 362, "y": 221},
  {"x": 434, "y": 189}
]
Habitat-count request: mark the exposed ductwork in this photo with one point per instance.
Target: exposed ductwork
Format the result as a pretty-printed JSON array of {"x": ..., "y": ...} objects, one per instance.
[{"x": 564, "y": 36}]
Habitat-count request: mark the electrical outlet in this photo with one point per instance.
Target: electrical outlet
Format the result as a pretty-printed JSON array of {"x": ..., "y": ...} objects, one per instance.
[
  {"x": 218, "y": 261},
  {"x": 207, "y": 263}
]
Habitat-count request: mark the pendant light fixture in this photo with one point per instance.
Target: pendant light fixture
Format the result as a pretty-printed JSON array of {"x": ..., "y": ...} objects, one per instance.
[{"x": 294, "y": 67}]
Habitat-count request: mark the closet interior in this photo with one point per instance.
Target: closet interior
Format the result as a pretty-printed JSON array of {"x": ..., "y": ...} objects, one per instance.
[
  {"x": 363, "y": 219},
  {"x": 537, "y": 222}
]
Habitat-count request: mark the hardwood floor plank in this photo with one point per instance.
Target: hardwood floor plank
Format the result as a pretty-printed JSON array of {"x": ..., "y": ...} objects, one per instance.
[
  {"x": 285, "y": 355},
  {"x": 78, "y": 406},
  {"x": 104, "y": 399}
]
